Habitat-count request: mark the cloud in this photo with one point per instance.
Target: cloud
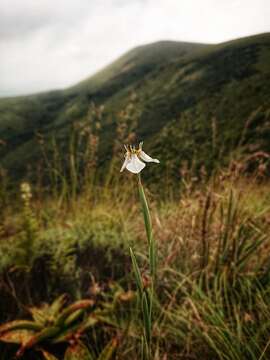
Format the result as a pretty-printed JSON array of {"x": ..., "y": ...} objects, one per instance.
[
  {"x": 46, "y": 44},
  {"x": 19, "y": 18}
]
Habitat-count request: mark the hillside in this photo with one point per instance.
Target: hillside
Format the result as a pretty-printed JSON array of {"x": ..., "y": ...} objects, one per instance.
[
  {"x": 200, "y": 103},
  {"x": 141, "y": 60},
  {"x": 170, "y": 265}
]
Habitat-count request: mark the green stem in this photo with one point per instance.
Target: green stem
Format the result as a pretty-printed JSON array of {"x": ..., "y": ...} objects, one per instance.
[{"x": 146, "y": 212}]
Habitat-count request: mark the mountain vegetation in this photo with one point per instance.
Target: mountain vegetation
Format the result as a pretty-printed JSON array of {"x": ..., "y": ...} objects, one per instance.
[
  {"x": 170, "y": 264},
  {"x": 199, "y": 103}
]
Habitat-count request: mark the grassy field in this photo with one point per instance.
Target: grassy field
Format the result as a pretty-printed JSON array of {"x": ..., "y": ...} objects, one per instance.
[
  {"x": 211, "y": 289},
  {"x": 96, "y": 264}
]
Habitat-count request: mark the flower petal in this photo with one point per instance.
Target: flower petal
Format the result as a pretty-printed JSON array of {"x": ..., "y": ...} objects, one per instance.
[
  {"x": 135, "y": 165},
  {"x": 147, "y": 158},
  {"x": 125, "y": 163}
]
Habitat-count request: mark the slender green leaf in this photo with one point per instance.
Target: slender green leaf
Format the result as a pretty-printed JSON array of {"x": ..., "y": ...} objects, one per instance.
[
  {"x": 73, "y": 317},
  {"x": 20, "y": 324},
  {"x": 137, "y": 272},
  {"x": 153, "y": 257},
  {"x": 146, "y": 213},
  {"x": 146, "y": 317},
  {"x": 78, "y": 305},
  {"x": 58, "y": 304}
]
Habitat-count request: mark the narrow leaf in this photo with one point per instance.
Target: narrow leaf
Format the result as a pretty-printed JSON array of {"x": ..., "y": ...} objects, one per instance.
[
  {"x": 146, "y": 318},
  {"x": 137, "y": 272},
  {"x": 89, "y": 322},
  {"x": 153, "y": 257},
  {"x": 19, "y": 336},
  {"x": 78, "y": 305},
  {"x": 20, "y": 324},
  {"x": 146, "y": 213},
  {"x": 58, "y": 304},
  {"x": 73, "y": 317},
  {"x": 109, "y": 350}
]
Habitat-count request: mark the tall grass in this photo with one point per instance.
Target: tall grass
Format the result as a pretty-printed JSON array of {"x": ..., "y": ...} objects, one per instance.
[
  {"x": 212, "y": 281},
  {"x": 208, "y": 295}
]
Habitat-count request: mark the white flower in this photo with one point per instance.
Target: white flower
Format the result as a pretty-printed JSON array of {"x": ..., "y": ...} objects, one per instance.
[{"x": 133, "y": 159}]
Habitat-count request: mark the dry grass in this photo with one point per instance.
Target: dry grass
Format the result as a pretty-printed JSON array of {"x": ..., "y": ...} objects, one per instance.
[{"x": 212, "y": 275}]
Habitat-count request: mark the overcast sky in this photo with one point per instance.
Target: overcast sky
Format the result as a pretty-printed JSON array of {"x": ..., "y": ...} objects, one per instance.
[{"x": 47, "y": 44}]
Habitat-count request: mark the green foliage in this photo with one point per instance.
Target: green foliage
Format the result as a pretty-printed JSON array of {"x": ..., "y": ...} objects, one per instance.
[
  {"x": 49, "y": 324},
  {"x": 146, "y": 295},
  {"x": 29, "y": 229},
  {"x": 184, "y": 93},
  {"x": 202, "y": 108},
  {"x": 137, "y": 272},
  {"x": 211, "y": 282}
]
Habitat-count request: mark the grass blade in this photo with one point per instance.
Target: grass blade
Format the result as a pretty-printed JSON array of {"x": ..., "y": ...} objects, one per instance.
[{"x": 137, "y": 272}]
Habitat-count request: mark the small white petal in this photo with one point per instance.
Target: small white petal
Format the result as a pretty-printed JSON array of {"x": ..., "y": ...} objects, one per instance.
[
  {"x": 125, "y": 163},
  {"x": 135, "y": 165},
  {"x": 147, "y": 158}
]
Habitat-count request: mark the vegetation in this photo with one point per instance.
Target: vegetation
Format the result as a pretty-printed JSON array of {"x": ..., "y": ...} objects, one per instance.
[
  {"x": 93, "y": 269},
  {"x": 218, "y": 94},
  {"x": 212, "y": 280}
]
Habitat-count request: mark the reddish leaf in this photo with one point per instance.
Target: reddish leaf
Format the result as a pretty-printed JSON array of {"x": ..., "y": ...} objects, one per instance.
[{"x": 20, "y": 336}]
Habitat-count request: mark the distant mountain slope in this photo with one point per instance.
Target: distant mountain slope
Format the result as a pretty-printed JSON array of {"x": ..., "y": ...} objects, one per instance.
[
  {"x": 196, "y": 102},
  {"x": 142, "y": 59}
]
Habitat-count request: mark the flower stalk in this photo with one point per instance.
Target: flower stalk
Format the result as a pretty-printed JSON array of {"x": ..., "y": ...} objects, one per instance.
[
  {"x": 148, "y": 295},
  {"x": 134, "y": 162}
]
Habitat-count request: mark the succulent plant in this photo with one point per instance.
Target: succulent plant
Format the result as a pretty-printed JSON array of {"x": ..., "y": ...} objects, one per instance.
[
  {"x": 53, "y": 324},
  {"x": 57, "y": 323}
]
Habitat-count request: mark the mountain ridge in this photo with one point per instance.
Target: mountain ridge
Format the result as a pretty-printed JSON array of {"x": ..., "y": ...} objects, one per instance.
[{"x": 183, "y": 82}]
